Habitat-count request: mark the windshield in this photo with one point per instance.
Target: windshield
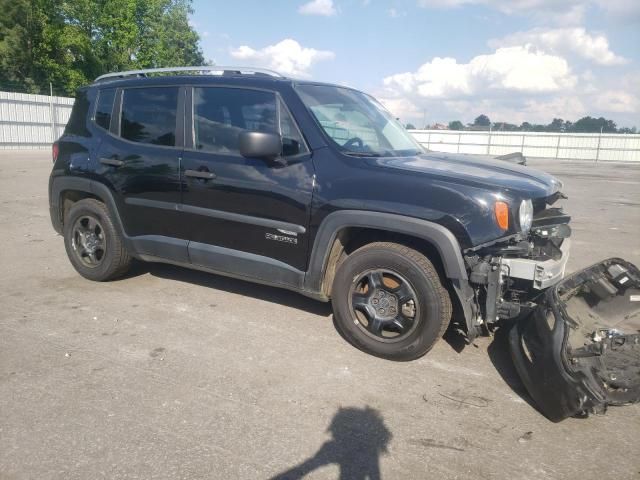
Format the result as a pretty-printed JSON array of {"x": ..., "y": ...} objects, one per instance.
[{"x": 357, "y": 123}]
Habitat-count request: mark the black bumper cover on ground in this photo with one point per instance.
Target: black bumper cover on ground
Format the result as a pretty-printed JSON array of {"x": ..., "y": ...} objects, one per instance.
[{"x": 567, "y": 370}]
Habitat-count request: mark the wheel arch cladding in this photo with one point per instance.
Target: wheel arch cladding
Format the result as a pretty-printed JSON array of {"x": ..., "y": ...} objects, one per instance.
[
  {"x": 83, "y": 188},
  {"x": 440, "y": 237}
]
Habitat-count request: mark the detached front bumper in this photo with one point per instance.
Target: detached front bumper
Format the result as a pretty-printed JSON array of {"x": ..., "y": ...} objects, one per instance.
[
  {"x": 578, "y": 351},
  {"x": 544, "y": 273}
]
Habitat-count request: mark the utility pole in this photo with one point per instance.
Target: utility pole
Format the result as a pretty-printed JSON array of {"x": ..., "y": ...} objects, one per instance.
[
  {"x": 598, "y": 149},
  {"x": 51, "y": 114}
]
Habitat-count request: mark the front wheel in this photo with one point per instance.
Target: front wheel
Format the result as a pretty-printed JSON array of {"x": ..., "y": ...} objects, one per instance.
[{"x": 388, "y": 300}]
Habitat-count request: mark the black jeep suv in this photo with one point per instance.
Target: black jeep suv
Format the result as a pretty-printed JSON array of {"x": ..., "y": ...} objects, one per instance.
[{"x": 306, "y": 186}]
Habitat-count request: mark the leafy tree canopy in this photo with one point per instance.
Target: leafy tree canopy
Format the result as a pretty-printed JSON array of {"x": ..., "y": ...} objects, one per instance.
[
  {"x": 482, "y": 121},
  {"x": 584, "y": 125},
  {"x": 69, "y": 43}
]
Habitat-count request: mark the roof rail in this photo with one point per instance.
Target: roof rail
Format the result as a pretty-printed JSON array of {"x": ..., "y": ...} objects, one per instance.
[{"x": 204, "y": 69}]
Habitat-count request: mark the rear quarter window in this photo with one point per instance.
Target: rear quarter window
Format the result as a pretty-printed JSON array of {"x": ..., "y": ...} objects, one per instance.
[
  {"x": 104, "y": 107},
  {"x": 77, "y": 124}
]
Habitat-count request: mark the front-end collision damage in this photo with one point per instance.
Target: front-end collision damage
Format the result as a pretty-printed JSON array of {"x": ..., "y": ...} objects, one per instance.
[
  {"x": 578, "y": 351},
  {"x": 575, "y": 341},
  {"x": 507, "y": 274}
]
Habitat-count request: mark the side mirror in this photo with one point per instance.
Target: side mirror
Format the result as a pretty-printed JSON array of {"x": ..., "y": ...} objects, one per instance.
[{"x": 260, "y": 145}]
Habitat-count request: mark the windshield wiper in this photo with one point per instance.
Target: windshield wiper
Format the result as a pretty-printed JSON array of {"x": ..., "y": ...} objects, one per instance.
[{"x": 363, "y": 154}]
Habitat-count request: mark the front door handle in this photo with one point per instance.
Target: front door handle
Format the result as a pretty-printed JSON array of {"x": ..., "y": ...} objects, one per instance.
[
  {"x": 199, "y": 174},
  {"x": 112, "y": 162}
]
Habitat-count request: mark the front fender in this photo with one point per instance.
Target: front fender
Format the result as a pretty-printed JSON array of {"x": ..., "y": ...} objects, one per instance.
[{"x": 440, "y": 237}]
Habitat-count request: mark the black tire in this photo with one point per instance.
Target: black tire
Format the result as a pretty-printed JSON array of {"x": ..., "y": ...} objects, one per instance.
[
  {"x": 90, "y": 218},
  {"x": 401, "y": 338}
]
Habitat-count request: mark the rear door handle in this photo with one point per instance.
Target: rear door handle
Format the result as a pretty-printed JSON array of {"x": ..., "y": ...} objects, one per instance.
[
  {"x": 198, "y": 174},
  {"x": 112, "y": 162}
]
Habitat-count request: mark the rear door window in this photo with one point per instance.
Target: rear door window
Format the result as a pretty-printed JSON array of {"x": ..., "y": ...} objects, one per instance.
[{"x": 149, "y": 115}]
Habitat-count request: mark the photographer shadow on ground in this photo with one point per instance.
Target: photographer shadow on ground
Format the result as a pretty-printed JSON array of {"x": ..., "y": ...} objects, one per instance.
[{"x": 359, "y": 437}]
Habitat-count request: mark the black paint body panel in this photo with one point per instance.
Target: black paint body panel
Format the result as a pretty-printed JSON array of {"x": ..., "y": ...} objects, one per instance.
[{"x": 243, "y": 208}]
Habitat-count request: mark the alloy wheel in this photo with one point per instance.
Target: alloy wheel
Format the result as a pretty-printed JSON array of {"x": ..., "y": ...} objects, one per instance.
[
  {"x": 384, "y": 305},
  {"x": 88, "y": 241}
]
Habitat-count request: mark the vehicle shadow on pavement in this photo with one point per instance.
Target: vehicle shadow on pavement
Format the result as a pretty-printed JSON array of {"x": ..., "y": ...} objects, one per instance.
[
  {"x": 500, "y": 356},
  {"x": 359, "y": 437},
  {"x": 232, "y": 285}
]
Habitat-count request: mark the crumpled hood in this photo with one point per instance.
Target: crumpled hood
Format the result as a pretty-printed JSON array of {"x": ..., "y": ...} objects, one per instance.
[{"x": 484, "y": 172}]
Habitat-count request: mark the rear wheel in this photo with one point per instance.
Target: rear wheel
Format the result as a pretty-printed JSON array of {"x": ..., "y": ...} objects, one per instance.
[
  {"x": 388, "y": 300},
  {"x": 93, "y": 245}
]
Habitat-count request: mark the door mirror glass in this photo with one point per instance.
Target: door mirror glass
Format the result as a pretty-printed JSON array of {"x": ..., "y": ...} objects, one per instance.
[{"x": 260, "y": 144}]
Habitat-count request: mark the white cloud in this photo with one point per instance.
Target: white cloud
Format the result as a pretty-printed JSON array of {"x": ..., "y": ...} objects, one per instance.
[
  {"x": 577, "y": 41},
  {"x": 395, "y": 13},
  {"x": 401, "y": 107},
  {"x": 561, "y": 12},
  {"x": 609, "y": 96},
  {"x": 511, "y": 84},
  {"x": 318, "y": 7},
  {"x": 624, "y": 10},
  {"x": 516, "y": 69},
  {"x": 511, "y": 6},
  {"x": 559, "y": 69},
  {"x": 287, "y": 57},
  {"x": 617, "y": 101}
]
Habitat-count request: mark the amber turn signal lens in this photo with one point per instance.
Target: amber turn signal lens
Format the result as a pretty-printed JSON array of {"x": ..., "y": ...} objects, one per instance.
[{"x": 502, "y": 215}]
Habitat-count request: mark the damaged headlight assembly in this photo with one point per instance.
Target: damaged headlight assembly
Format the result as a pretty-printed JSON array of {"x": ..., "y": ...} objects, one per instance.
[{"x": 525, "y": 215}]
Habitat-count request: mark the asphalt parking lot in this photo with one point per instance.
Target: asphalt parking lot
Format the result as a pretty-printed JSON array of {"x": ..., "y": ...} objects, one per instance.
[{"x": 171, "y": 373}]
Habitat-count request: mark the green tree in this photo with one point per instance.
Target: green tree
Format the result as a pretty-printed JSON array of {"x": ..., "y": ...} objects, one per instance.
[
  {"x": 70, "y": 43},
  {"x": 23, "y": 26},
  {"x": 482, "y": 121},
  {"x": 504, "y": 127},
  {"x": 557, "y": 125},
  {"x": 456, "y": 125},
  {"x": 593, "y": 125},
  {"x": 410, "y": 126}
]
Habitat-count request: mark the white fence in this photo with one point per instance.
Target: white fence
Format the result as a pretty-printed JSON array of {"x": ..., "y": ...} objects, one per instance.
[
  {"x": 574, "y": 146},
  {"x": 32, "y": 121}
]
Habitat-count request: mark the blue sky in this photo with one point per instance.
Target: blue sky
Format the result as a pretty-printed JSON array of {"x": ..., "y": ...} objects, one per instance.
[{"x": 441, "y": 60}]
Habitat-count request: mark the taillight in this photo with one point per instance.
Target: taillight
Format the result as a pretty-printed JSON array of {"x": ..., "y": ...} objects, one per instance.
[
  {"x": 502, "y": 215},
  {"x": 55, "y": 149}
]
